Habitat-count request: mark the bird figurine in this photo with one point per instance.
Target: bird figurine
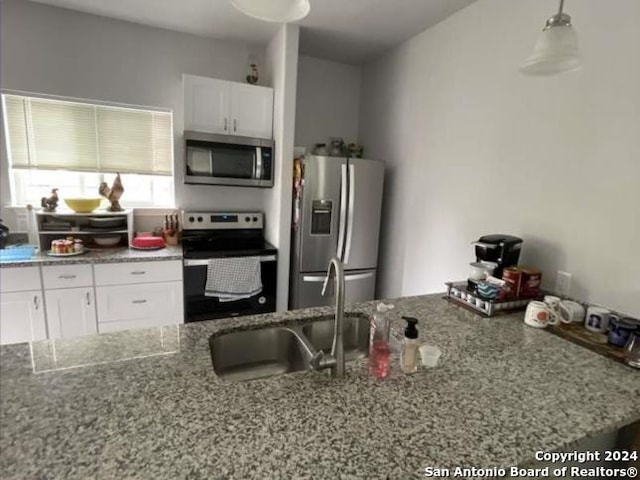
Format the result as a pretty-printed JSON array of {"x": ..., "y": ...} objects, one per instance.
[
  {"x": 50, "y": 203},
  {"x": 113, "y": 194}
]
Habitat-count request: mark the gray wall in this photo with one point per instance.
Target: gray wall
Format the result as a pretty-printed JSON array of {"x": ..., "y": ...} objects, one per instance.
[
  {"x": 475, "y": 147},
  {"x": 328, "y": 101},
  {"x": 61, "y": 52}
]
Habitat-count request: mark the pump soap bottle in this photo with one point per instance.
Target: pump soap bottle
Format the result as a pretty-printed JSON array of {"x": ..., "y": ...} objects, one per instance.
[{"x": 410, "y": 346}]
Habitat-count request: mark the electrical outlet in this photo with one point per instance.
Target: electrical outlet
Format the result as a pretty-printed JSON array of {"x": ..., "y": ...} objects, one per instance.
[{"x": 563, "y": 283}]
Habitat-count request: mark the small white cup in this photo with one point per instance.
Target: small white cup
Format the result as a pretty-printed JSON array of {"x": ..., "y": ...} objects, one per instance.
[
  {"x": 429, "y": 355},
  {"x": 554, "y": 305}
]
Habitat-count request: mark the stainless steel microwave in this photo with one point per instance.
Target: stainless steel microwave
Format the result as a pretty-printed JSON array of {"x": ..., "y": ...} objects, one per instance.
[{"x": 213, "y": 159}]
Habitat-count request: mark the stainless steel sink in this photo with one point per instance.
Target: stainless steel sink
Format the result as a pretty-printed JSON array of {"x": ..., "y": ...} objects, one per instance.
[
  {"x": 356, "y": 336},
  {"x": 252, "y": 354}
]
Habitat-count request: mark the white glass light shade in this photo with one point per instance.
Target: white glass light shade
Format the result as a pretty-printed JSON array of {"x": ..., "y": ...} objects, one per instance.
[
  {"x": 280, "y": 11},
  {"x": 555, "y": 51}
]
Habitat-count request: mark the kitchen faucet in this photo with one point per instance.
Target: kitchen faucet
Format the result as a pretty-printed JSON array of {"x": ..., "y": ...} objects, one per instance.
[{"x": 317, "y": 360}]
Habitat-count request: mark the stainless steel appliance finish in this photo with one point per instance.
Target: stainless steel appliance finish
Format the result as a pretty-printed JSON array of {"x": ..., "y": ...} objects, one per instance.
[
  {"x": 214, "y": 159},
  {"x": 340, "y": 208},
  {"x": 208, "y": 235}
]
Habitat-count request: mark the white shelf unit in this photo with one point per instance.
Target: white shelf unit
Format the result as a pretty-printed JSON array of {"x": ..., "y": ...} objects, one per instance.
[{"x": 79, "y": 227}]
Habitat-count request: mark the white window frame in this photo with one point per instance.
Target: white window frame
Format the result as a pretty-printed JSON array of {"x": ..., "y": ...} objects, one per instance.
[{"x": 150, "y": 205}]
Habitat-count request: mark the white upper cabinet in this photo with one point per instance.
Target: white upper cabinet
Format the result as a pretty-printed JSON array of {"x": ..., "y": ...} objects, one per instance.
[
  {"x": 207, "y": 104},
  {"x": 231, "y": 108},
  {"x": 252, "y": 110}
]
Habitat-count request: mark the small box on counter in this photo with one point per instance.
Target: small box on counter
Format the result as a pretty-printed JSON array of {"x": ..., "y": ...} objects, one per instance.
[
  {"x": 530, "y": 281},
  {"x": 512, "y": 277}
]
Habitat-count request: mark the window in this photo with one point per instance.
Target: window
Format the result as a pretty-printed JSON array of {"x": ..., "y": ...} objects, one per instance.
[{"x": 74, "y": 145}]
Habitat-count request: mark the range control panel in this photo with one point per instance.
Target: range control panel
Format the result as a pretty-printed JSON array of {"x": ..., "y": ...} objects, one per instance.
[{"x": 222, "y": 220}]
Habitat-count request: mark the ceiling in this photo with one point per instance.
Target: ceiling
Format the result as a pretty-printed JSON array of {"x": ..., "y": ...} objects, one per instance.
[{"x": 350, "y": 31}]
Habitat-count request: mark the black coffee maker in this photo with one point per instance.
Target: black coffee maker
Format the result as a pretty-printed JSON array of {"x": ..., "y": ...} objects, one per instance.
[{"x": 503, "y": 250}]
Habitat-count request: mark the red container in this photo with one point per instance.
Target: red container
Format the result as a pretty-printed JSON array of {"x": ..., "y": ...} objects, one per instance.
[
  {"x": 148, "y": 242},
  {"x": 530, "y": 281},
  {"x": 512, "y": 276}
]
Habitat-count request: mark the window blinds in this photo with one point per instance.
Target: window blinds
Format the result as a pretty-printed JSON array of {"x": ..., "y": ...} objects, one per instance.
[{"x": 52, "y": 134}]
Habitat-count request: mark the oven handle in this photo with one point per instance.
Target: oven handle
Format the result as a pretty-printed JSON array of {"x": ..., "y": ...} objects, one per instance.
[{"x": 205, "y": 262}]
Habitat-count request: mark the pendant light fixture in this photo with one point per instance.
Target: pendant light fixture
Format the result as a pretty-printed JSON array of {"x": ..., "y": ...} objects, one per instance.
[
  {"x": 279, "y": 11},
  {"x": 556, "y": 50}
]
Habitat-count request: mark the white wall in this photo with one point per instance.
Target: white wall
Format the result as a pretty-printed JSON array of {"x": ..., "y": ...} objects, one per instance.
[
  {"x": 281, "y": 71},
  {"x": 62, "y": 52},
  {"x": 328, "y": 101},
  {"x": 474, "y": 147}
]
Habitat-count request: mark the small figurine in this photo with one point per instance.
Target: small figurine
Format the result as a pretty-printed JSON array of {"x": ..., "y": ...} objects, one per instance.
[
  {"x": 50, "y": 203},
  {"x": 113, "y": 194},
  {"x": 252, "y": 76}
]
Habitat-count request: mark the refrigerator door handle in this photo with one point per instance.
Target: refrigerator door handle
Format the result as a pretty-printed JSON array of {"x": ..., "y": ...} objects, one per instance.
[
  {"x": 350, "y": 213},
  {"x": 358, "y": 276},
  {"x": 343, "y": 212},
  {"x": 313, "y": 278},
  {"x": 347, "y": 278}
]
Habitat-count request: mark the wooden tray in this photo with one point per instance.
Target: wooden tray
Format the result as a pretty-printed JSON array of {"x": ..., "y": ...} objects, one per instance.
[{"x": 597, "y": 342}]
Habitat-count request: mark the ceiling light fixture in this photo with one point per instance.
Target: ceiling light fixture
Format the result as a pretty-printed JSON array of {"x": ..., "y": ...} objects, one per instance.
[
  {"x": 280, "y": 11},
  {"x": 556, "y": 50}
]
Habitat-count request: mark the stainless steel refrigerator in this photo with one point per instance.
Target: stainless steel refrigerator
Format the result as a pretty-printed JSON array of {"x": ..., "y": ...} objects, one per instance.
[{"x": 336, "y": 214}]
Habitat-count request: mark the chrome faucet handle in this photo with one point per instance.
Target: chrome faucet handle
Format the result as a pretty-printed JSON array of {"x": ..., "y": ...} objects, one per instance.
[
  {"x": 315, "y": 362},
  {"x": 326, "y": 282}
]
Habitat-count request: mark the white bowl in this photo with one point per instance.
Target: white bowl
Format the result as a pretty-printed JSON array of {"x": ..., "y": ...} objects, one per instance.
[{"x": 107, "y": 241}]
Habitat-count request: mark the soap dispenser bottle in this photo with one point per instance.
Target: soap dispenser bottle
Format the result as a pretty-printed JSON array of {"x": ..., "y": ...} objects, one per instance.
[{"x": 410, "y": 346}]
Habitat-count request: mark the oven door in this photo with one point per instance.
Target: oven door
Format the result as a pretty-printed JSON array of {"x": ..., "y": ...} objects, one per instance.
[{"x": 199, "y": 307}]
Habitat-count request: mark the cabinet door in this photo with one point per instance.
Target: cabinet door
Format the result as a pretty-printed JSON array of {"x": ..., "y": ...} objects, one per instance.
[
  {"x": 71, "y": 312},
  {"x": 206, "y": 104},
  {"x": 22, "y": 317},
  {"x": 251, "y": 110}
]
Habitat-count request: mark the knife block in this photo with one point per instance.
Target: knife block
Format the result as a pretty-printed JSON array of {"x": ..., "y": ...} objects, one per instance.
[{"x": 171, "y": 237}]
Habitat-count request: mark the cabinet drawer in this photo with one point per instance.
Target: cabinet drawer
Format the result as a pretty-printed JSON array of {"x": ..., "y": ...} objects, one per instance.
[
  {"x": 19, "y": 279},
  {"x": 67, "y": 276},
  {"x": 138, "y": 272},
  {"x": 140, "y": 302}
]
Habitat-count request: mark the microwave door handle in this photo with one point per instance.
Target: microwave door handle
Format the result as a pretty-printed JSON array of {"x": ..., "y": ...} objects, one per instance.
[{"x": 258, "y": 165}]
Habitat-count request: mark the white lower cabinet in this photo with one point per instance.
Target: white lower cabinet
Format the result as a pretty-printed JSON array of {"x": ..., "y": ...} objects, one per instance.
[
  {"x": 139, "y": 306},
  {"x": 22, "y": 317},
  {"x": 71, "y": 312}
]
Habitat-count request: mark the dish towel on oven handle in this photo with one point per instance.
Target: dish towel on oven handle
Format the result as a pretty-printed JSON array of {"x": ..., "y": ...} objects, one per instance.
[{"x": 233, "y": 278}]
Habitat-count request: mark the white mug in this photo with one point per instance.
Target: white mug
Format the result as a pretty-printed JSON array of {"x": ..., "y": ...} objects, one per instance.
[
  {"x": 539, "y": 315},
  {"x": 598, "y": 319},
  {"x": 554, "y": 305},
  {"x": 571, "y": 312}
]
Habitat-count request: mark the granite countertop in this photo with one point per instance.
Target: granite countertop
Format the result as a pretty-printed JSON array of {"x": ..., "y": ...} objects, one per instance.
[
  {"x": 147, "y": 404},
  {"x": 112, "y": 255}
]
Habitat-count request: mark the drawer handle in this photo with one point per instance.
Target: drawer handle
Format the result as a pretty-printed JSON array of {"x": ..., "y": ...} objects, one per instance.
[
  {"x": 138, "y": 272},
  {"x": 88, "y": 299},
  {"x": 138, "y": 301},
  {"x": 35, "y": 302},
  {"x": 66, "y": 276}
]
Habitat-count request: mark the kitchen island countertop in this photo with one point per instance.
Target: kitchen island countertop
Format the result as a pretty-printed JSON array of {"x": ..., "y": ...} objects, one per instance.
[
  {"x": 147, "y": 404},
  {"x": 107, "y": 255}
]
